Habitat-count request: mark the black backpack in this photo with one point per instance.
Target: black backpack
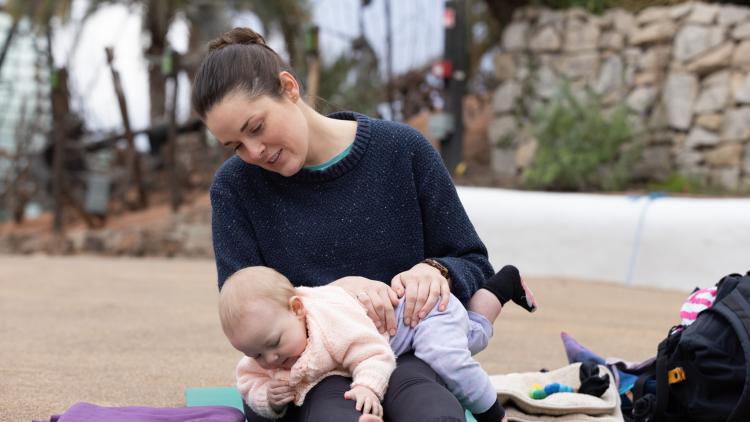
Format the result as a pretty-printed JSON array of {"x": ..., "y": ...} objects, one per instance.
[{"x": 701, "y": 371}]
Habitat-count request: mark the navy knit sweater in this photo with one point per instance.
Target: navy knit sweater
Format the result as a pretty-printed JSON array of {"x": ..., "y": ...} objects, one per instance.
[{"x": 386, "y": 206}]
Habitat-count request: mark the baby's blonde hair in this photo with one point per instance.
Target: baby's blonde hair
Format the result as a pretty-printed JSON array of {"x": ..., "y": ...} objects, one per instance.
[{"x": 247, "y": 285}]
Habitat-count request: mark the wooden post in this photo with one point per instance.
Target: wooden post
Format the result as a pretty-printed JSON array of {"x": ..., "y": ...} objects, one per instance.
[
  {"x": 58, "y": 80},
  {"x": 169, "y": 70},
  {"x": 313, "y": 65},
  {"x": 134, "y": 161},
  {"x": 8, "y": 40}
]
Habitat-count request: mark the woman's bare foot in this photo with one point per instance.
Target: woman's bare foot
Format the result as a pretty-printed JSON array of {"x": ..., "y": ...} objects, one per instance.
[{"x": 369, "y": 418}]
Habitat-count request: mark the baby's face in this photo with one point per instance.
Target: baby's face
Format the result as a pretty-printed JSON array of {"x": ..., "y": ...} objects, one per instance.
[{"x": 272, "y": 335}]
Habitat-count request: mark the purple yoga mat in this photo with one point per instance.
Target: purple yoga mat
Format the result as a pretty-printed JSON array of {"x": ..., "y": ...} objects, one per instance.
[{"x": 87, "y": 412}]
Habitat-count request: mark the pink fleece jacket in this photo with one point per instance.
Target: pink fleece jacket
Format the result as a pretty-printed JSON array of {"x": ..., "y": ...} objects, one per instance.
[{"x": 341, "y": 340}]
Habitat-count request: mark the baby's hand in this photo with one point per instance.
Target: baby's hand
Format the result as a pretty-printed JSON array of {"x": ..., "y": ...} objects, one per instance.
[
  {"x": 367, "y": 400},
  {"x": 279, "y": 394}
]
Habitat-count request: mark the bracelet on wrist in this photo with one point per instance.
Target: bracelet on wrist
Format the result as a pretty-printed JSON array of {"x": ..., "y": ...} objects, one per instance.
[{"x": 440, "y": 267}]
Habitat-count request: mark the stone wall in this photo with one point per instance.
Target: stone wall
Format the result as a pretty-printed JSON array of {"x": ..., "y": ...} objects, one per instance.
[{"x": 683, "y": 72}]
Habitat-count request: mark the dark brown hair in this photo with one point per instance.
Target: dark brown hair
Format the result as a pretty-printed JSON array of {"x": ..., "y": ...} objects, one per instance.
[{"x": 237, "y": 60}]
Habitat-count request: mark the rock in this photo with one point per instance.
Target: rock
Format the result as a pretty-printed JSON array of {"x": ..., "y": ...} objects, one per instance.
[
  {"x": 515, "y": 36},
  {"x": 746, "y": 161},
  {"x": 581, "y": 37},
  {"x": 545, "y": 40},
  {"x": 711, "y": 122},
  {"x": 721, "y": 77},
  {"x": 610, "y": 76},
  {"x": 742, "y": 89},
  {"x": 680, "y": 11},
  {"x": 531, "y": 12},
  {"x": 741, "y": 55},
  {"x": 730, "y": 14},
  {"x": 703, "y": 13},
  {"x": 687, "y": 158},
  {"x": 727, "y": 155},
  {"x": 655, "y": 58},
  {"x": 53, "y": 244},
  {"x": 504, "y": 163},
  {"x": 576, "y": 13},
  {"x": 505, "y": 68},
  {"x": 632, "y": 55},
  {"x": 584, "y": 65},
  {"x": 716, "y": 59},
  {"x": 654, "y": 13},
  {"x": 741, "y": 31},
  {"x": 655, "y": 163},
  {"x": 736, "y": 124},
  {"x": 93, "y": 243},
  {"x": 506, "y": 96},
  {"x": 629, "y": 75},
  {"x": 646, "y": 78},
  {"x": 641, "y": 99},
  {"x": 622, "y": 21},
  {"x": 713, "y": 97},
  {"x": 653, "y": 33},
  {"x": 680, "y": 91},
  {"x": 502, "y": 131},
  {"x": 547, "y": 83},
  {"x": 196, "y": 240},
  {"x": 602, "y": 21},
  {"x": 699, "y": 137},
  {"x": 549, "y": 16},
  {"x": 525, "y": 153},
  {"x": 693, "y": 40},
  {"x": 523, "y": 66},
  {"x": 727, "y": 178},
  {"x": 612, "y": 40},
  {"x": 699, "y": 174},
  {"x": 637, "y": 123},
  {"x": 658, "y": 119}
]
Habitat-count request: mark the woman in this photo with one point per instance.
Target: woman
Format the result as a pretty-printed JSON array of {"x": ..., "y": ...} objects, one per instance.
[{"x": 363, "y": 202}]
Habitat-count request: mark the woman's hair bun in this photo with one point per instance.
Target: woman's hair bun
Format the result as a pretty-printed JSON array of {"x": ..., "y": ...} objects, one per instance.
[{"x": 242, "y": 36}]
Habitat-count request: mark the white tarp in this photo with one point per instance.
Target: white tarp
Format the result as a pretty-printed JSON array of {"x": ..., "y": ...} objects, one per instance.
[{"x": 667, "y": 242}]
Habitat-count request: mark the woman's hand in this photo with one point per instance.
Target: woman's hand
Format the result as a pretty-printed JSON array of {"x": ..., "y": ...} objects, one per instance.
[
  {"x": 423, "y": 286},
  {"x": 377, "y": 297}
]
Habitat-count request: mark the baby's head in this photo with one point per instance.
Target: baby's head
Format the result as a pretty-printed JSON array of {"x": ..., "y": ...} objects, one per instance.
[{"x": 262, "y": 317}]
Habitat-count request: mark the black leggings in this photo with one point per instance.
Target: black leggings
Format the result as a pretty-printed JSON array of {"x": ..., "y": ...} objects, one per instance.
[{"x": 415, "y": 394}]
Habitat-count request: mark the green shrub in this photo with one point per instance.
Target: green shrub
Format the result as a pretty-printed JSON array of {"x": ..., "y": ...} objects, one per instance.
[
  {"x": 592, "y": 6},
  {"x": 580, "y": 147}
]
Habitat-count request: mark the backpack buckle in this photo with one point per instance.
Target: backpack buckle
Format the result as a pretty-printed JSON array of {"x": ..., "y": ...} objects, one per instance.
[{"x": 676, "y": 375}]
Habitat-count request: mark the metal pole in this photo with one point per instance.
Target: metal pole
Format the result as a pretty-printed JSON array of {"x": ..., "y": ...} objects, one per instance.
[
  {"x": 389, "y": 59},
  {"x": 455, "y": 54}
]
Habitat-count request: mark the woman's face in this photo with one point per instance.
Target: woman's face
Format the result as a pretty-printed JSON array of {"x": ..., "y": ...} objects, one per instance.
[{"x": 268, "y": 132}]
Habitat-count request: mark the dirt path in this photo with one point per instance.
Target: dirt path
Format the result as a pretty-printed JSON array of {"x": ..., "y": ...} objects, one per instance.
[{"x": 139, "y": 331}]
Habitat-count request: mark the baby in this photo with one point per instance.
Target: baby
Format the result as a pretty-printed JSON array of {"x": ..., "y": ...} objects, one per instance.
[{"x": 293, "y": 338}]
